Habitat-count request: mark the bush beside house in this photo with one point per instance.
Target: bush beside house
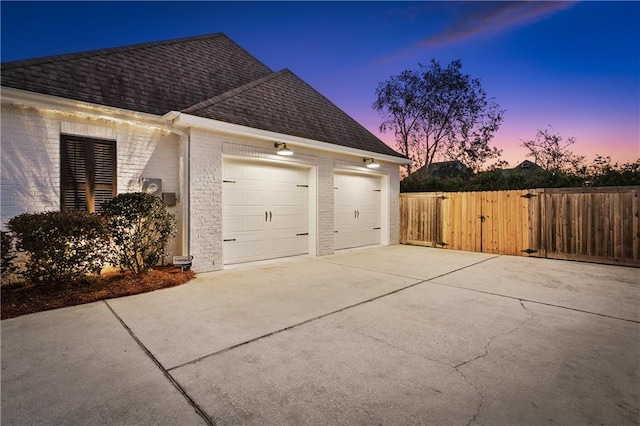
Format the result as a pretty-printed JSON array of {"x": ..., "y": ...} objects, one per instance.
[
  {"x": 60, "y": 246},
  {"x": 140, "y": 227},
  {"x": 131, "y": 232}
]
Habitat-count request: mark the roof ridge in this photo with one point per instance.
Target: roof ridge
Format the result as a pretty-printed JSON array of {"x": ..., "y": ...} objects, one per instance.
[
  {"x": 107, "y": 50},
  {"x": 233, "y": 92}
]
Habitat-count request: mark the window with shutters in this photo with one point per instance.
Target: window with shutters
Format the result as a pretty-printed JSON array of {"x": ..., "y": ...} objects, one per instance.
[{"x": 88, "y": 172}]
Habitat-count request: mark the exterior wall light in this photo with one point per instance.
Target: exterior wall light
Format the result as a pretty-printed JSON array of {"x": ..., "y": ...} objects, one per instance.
[
  {"x": 282, "y": 149},
  {"x": 370, "y": 163}
]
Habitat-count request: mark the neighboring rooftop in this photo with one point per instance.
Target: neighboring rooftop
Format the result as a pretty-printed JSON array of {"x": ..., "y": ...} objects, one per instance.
[{"x": 208, "y": 76}]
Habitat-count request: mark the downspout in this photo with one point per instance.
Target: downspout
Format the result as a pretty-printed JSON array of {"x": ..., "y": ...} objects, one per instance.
[{"x": 186, "y": 176}]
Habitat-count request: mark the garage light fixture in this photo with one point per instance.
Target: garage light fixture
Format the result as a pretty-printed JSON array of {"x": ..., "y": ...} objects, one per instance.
[
  {"x": 370, "y": 163},
  {"x": 282, "y": 149}
]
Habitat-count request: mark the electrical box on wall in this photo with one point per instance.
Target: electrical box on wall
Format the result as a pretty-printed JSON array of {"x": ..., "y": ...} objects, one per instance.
[
  {"x": 169, "y": 199},
  {"x": 152, "y": 186}
]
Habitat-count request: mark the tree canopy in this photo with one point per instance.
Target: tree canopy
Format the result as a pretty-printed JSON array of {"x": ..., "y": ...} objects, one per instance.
[
  {"x": 439, "y": 113},
  {"x": 551, "y": 151}
]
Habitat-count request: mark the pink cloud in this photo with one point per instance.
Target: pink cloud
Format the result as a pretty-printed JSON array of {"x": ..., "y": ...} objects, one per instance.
[
  {"x": 493, "y": 17},
  {"x": 478, "y": 18}
]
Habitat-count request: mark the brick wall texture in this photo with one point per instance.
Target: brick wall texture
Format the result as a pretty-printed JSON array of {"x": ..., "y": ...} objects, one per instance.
[{"x": 30, "y": 154}]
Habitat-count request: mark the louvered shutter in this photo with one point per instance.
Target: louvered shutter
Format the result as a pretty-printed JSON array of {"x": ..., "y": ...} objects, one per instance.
[
  {"x": 88, "y": 173},
  {"x": 104, "y": 172}
]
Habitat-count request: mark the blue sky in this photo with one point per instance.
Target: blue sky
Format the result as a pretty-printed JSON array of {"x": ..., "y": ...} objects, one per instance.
[{"x": 574, "y": 66}]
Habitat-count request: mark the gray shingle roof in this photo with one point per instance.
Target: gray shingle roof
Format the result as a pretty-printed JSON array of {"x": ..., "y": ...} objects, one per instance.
[
  {"x": 152, "y": 77},
  {"x": 281, "y": 102},
  {"x": 208, "y": 76}
]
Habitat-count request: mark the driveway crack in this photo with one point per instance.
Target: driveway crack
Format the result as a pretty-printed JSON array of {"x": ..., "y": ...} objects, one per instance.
[
  {"x": 486, "y": 352},
  {"x": 462, "y": 364},
  {"x": 454, "y": 367}
]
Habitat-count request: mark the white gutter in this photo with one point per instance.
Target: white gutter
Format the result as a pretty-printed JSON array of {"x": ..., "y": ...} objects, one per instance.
[
  {"x": 80, "y": 109},
  {"x": 186, "y": 183},
  {"x": 187, "y": 120}
]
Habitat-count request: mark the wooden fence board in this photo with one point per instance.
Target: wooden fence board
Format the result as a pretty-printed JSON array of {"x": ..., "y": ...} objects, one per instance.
[{"x": 593, "y": 224}]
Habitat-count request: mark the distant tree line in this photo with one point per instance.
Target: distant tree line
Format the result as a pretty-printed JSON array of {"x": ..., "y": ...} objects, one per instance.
[{"x": 601, "y": 172}]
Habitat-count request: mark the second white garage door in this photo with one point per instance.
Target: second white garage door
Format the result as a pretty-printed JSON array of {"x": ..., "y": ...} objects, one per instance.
[
  {"x": 357, "y": 210},
  {"x": 265, "y": 211}
]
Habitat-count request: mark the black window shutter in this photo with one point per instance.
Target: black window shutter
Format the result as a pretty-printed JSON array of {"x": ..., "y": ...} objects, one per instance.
[{"x": 88, "y": 173}]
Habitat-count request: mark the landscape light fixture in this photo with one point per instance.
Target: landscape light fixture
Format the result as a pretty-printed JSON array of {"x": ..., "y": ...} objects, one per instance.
[
  {"x": 370, "y": 163},
  {"x": 282, "y": 149}
]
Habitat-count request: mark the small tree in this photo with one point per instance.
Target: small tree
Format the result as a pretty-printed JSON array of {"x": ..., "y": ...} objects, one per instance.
[
  {"x": 60, "y": 246},
  {"x": 552, "y": 153},
  {"x": 140, "y": 227},
  {"x": 439, "y": 112}
]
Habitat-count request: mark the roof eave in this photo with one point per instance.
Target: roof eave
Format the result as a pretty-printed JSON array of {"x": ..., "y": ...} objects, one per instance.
[
  {"x": 25, "y": 98},
  {"x": 181, "y": 119}
]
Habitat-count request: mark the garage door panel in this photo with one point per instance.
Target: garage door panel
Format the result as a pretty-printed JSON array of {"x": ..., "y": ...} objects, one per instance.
[
  {"x": 265, "y": 207},
  {"x": 289, "y": 245},
  {"x": 289, "y": 198},
  {"x": 240, "y": 223},
  {"x": 357, "y": 210},
  {"x": 244, "y": 171},
  {"x": 243, "y": 197},
  {"x": 297, "y": 223}
]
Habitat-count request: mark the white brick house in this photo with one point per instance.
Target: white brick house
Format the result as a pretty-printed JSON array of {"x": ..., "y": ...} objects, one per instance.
[{"x": 206, "y": 121}]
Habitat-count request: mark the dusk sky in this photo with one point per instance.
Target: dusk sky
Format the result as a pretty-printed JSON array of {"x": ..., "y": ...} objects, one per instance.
[{"x": 573, "y": 66}]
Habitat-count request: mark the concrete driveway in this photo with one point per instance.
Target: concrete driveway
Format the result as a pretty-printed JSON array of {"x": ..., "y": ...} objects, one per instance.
[{"x": 394, "y": 335}]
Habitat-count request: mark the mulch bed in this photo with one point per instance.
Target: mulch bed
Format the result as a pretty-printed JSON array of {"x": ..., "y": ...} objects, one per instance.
[{"x": 25, "y": 298}]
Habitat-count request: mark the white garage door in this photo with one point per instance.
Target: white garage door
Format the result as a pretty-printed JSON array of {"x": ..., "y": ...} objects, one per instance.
[
  {"x": 265, "y": 211},
  {"x": 357, "y": 210}
]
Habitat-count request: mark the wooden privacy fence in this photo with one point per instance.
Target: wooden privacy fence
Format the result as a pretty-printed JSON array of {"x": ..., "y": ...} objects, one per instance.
[{"x": 592, "y": 224}]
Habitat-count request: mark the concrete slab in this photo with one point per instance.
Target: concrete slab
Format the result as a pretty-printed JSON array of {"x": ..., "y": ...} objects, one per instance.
[
  {"x": 79, "y": 366},
  {"x": 421, "y": 263},
  {"x": 560, "y": 367},
  {"x": 222, "y": 309},
  {"x": 428, "y": 355},
  {"x": 602, "y": 289},
  {"x": 390, "y": 361},
  {"x": 395, "y": 335}
]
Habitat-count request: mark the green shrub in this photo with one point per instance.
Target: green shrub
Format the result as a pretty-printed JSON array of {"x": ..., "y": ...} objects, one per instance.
[
  {"x": 8, "y": 254},
  {"x": 140, "y": 227},
  {"x": 60, "y": 246}
]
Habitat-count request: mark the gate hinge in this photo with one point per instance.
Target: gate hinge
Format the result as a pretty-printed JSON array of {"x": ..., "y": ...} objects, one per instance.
[
  {"x": 529, "y": 195},
  {"x": 442, "y": 243},
  {"x": 529, "y": 251},
  {"x": 442, "y": 197}
]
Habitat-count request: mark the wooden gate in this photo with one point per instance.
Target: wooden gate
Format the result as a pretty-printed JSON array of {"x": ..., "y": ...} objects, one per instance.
[
  {"x": 487, "y": 222},
  {"x": 593, "y": 224}
]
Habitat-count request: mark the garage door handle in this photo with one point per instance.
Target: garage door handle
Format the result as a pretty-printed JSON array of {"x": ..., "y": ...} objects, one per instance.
[
  {"x": 304, "y": 233},
  {"x": 266, "y": 216},
  {"x": 230, "y": 239},
  {"x": 269, "y": 216},
  {"x": 358, "y": 212}
]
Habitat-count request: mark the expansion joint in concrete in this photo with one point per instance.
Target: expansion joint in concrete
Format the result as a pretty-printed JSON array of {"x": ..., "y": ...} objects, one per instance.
[{"x": 164, "y": 371}]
